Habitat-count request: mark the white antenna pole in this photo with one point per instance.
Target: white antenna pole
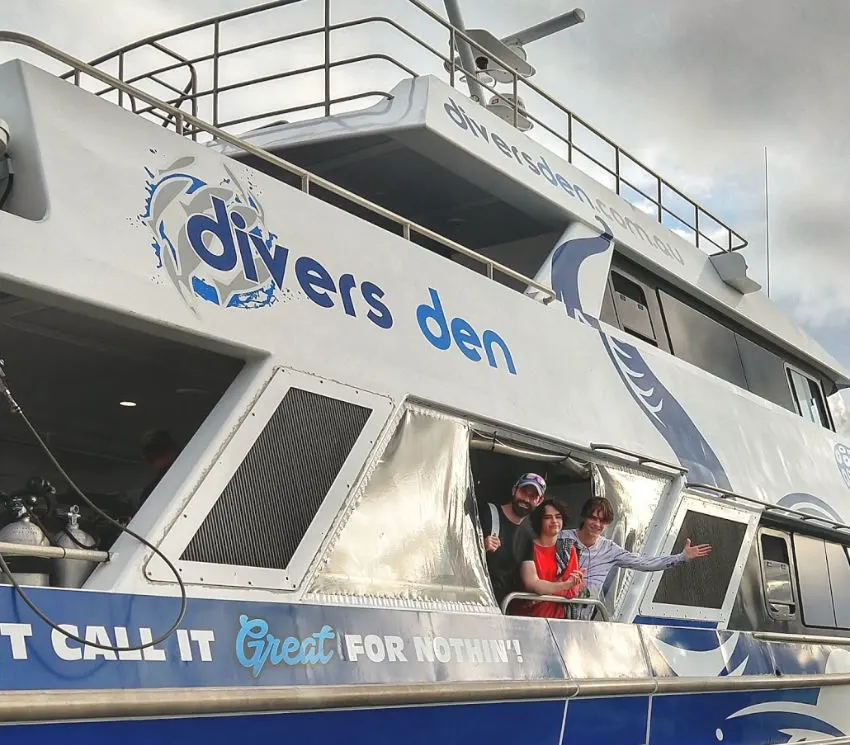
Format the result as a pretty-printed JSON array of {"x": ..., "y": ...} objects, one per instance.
[
  {"x": 767, "y": 220},
  {"x": 467, "y": 58}
]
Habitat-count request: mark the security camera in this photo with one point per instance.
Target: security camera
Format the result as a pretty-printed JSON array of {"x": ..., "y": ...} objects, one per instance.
[{"x": 4, "y": 137}]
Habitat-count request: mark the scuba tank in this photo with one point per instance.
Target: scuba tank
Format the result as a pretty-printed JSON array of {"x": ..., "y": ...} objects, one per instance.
[
  {"x": 73, "y": 572},
  {"x": 27, "y": 570}
]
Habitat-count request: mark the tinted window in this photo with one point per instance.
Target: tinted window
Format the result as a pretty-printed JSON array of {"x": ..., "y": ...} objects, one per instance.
[
  {"x": 776, "y": 575},
  {"x": 608, "y": 314},
  {"x": 632, "y": 310},
  {"x": 839, "y": 580},
  {"x": 809, "y": 398},
  {"x": 702, "y": 341},
  {"x": 703, "y": 583},
  {"x": 813, "y": 581},
  {"x": 765, "y": 373}
]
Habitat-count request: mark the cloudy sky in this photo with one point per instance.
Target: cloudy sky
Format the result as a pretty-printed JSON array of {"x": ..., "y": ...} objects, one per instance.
[{"x": 696, "y": 89}]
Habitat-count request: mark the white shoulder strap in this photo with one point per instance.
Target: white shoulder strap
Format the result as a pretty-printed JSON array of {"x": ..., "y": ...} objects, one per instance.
[{"x": 494, "y": 519}]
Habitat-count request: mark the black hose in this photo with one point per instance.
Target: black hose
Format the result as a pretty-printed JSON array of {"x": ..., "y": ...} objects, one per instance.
[{"x": 16, "y": 409}]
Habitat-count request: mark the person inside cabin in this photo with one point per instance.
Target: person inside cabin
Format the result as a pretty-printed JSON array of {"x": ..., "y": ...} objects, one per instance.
[
  {"x": 507, "y": 534},
  {"x": 543, "y": 570},
  {"x": 159, "y": 451},
  {"x": 598, "y": 555}
]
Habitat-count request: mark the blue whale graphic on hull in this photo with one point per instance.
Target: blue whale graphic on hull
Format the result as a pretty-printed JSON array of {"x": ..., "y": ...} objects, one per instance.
[{"x": 667, "y": 415}]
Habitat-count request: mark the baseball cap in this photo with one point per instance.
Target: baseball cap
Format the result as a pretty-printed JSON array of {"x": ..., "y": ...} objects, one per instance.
[{"x": 532, "y": 479}]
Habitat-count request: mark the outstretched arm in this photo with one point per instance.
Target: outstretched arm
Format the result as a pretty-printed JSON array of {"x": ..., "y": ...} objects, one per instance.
[{"x": 658, "y": 563}]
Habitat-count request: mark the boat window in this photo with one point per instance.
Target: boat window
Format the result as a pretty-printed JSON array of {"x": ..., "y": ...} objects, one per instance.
[
  {"x": 813, "y": 580},
  {"x": 642, "y": 304},
  {"x": 93, "y": 389},
  {"x": 412, "y": 530},
  {"x": 702, "y": 341},
  {"x": 808, "y": 398},
  {"x": 271, "y": 499},
  {"x": 703, "y": 583},
  {"x": 765, "y": 373},
  {"x": 839, "y": 580},
  {"x": 631, "y": 307},
  {"x": 776, "y": 576}
]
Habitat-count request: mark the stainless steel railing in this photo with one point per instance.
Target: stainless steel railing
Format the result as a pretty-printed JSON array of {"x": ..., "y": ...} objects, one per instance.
[
  {"x": 592, "y": 602},
  {"x": 182, "y": 120},
  {"x": 192, "y": 67},
  {"x": 36, "y": 706},
  {"x": 52, "y": 552}
]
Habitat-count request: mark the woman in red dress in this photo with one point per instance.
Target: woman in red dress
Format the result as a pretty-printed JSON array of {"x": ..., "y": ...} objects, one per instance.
[{"x": 539, "y": 569}]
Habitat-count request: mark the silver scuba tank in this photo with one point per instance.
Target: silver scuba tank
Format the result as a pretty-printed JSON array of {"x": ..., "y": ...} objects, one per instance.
[
  {"x": 73, "y": 572},
  {"x": 27, "y": 570}
]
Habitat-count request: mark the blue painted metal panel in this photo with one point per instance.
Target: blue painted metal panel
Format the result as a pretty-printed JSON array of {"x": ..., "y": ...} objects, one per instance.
[
  {"x": 225, "y": 643},
  {"x": 684, "y": 622},
  {"x": 531, "y": 723},
  {"x": 742, "y": 718},
  {"x": 605, "y": 720}
]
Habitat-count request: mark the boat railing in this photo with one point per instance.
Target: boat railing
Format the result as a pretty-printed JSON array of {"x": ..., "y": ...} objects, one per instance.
[
  {"x": 184, "y": 122},
  {"x": 52, "y": 552},
  {"x": 211, "y": 71},
  {"x": 534, "y": 597},
  {"x": 777, "y": 511},
  {"x": 131, "y": 703}
]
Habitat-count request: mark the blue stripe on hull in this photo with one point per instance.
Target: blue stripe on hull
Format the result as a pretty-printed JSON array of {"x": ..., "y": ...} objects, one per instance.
[
  {"x": 702, "y": 719},
  {"x": 601, "y": 720},
  {"x": 535, "y": 723}
]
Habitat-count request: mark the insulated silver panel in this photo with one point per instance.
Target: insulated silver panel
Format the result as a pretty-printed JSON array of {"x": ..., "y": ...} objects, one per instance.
[{"x": 413, "y": 531}]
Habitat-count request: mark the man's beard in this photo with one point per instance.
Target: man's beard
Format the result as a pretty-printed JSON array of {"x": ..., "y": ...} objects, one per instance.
[{"x": 521, "y": 509}]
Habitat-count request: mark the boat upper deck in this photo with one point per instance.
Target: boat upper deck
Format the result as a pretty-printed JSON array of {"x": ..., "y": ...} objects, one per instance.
[{"x": 352, "y": 62}]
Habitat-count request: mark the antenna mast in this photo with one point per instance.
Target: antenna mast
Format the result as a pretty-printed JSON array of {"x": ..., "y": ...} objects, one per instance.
[
  {"x": 467, "y": 59},
  {"x": 767, "y": 220}
]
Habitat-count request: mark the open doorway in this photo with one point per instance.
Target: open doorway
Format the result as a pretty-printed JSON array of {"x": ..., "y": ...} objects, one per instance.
[
  {"x": 496, "y": 465},
  {"x": 498, "y": 459},
  {"x": 92, "y": 390}
]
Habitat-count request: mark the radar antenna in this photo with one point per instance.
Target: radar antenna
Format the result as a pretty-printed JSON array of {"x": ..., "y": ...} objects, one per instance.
[{"x": 479, "y": 63}]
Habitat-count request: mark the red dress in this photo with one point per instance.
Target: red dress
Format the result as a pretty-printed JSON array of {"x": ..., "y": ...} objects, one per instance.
[{"x": 547, "y": 569}]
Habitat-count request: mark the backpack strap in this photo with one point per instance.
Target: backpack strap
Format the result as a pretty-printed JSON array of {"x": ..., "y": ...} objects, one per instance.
[{"x": 494, "y": 519}]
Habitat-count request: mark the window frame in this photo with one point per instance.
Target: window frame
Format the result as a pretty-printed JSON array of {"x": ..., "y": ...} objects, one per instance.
[
  {"x": 801, "y": 585},
  {"x": 209, "y": 489},
  {"x": 647, "y": 292},
  {"x": 692, "y": 502},
  {"x": 792, "y": 368},
  {"x": 792, "y": 565}
]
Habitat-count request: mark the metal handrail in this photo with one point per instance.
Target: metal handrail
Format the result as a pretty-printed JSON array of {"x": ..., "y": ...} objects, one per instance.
[
  {"x": 775, "y": 636},
  {"x": 37, "y": 706},
  {"x": 307, "y": 178},
  {"x": 639, "y": 459},
  {"x": 52, "y": 552},
  {"x": 624, "y": 160},
  {"x": 841, "y": 529},
  {"x": 593, "y": 602}
]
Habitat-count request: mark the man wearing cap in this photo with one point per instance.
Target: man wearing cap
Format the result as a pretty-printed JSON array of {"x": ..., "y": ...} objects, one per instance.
[{"x": 507, "y": 534}]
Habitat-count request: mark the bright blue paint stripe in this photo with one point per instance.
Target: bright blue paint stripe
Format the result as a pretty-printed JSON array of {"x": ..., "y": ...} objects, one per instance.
[
  {"x": 509, "y": 723},
  {"x": 683, "y": 622}
]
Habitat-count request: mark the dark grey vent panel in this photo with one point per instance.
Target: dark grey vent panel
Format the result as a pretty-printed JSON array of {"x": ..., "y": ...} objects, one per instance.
[{"x": 264, "y": 511}]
